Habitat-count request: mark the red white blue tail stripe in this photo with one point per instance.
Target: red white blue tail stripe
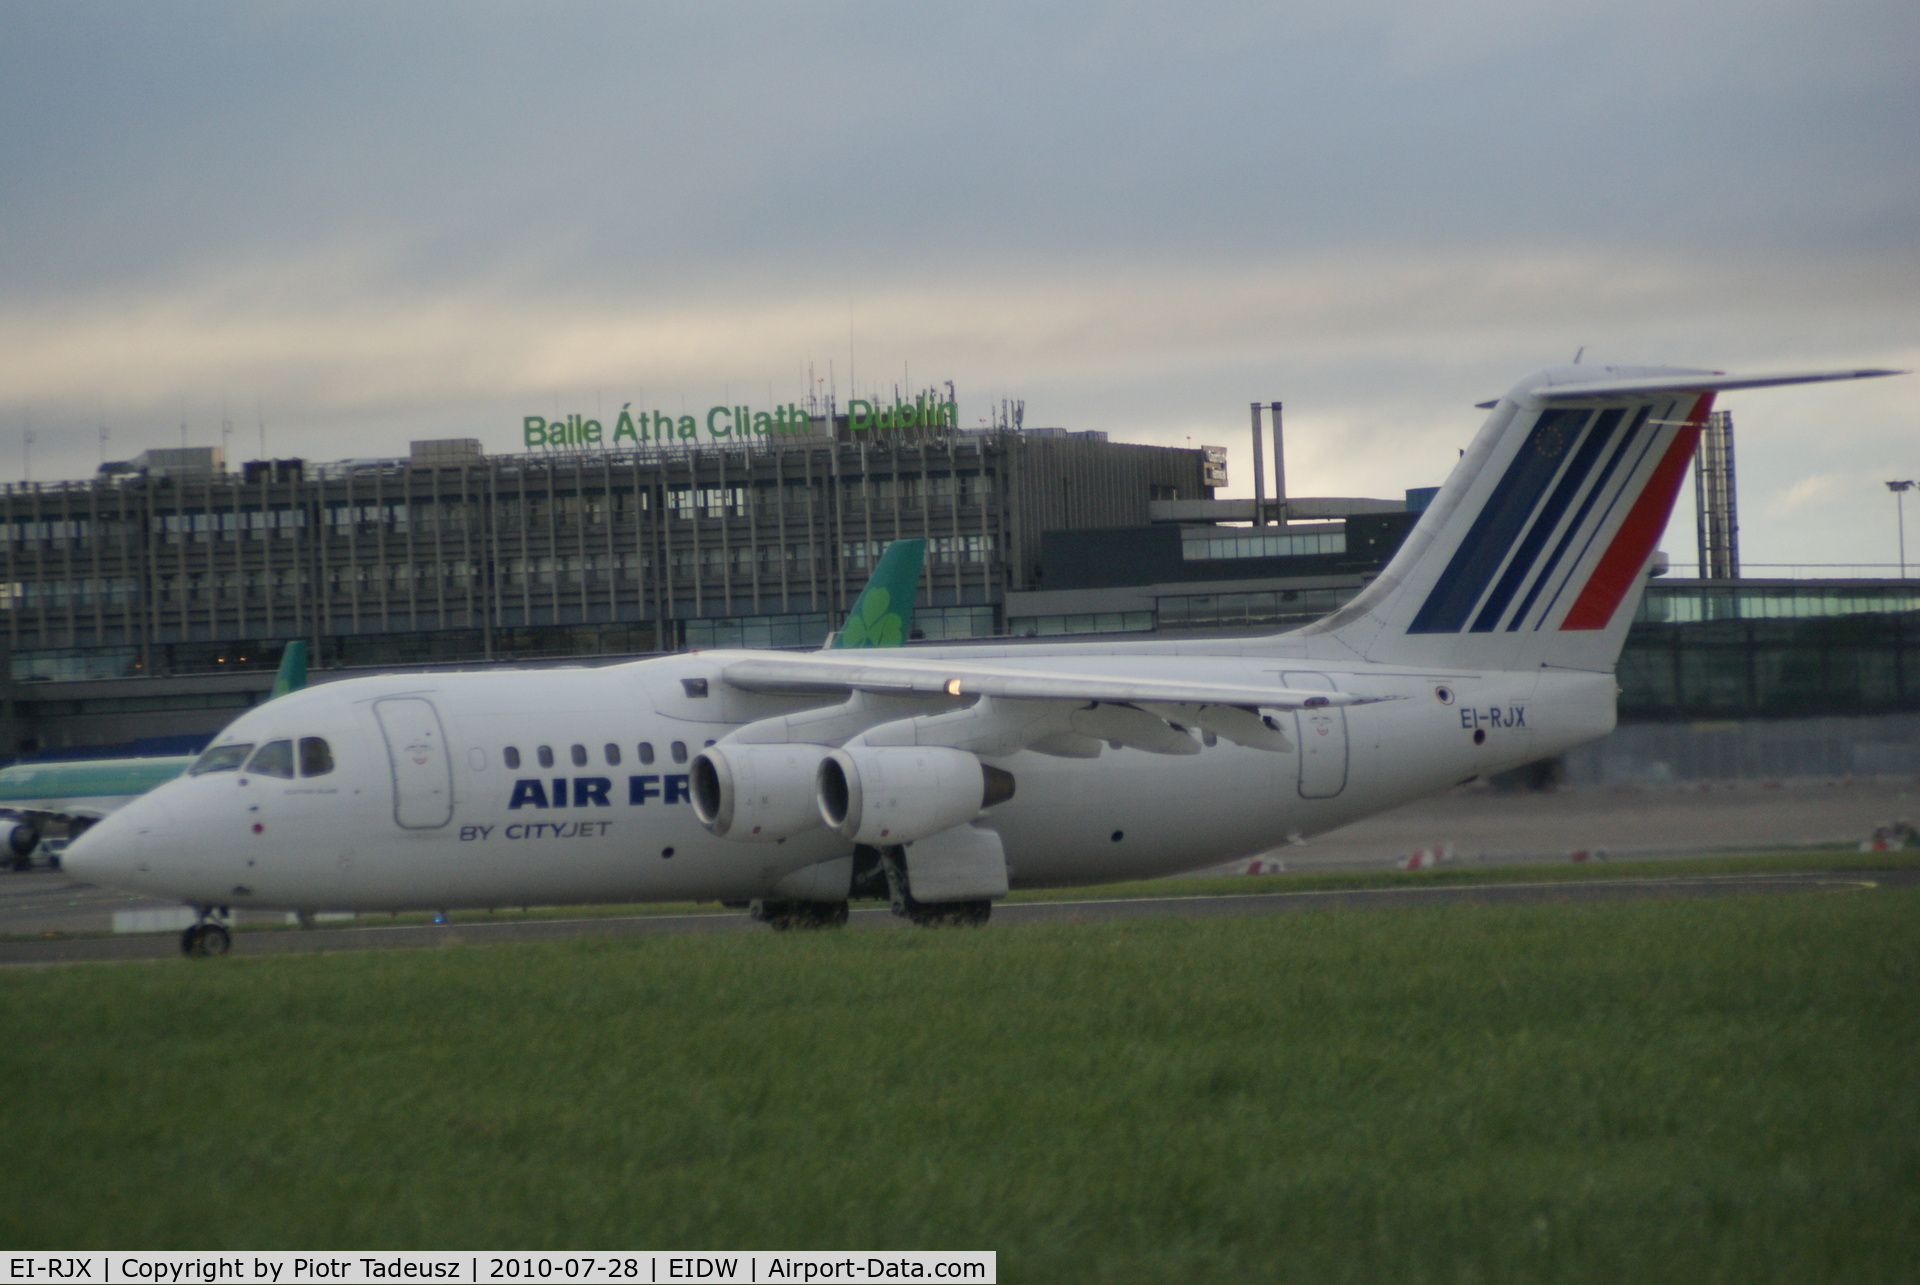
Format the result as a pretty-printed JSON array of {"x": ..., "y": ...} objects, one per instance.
[{"x": 1571, "y": 521}]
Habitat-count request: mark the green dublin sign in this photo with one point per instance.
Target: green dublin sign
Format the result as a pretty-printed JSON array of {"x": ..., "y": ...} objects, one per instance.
[{"x": 726, "y": 424}]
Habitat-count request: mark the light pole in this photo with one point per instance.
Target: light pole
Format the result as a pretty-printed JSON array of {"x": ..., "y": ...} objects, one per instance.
[{"x": 1900, "y": 490}]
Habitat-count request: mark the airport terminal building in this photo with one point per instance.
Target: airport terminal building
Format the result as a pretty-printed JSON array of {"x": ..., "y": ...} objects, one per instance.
[{"x": 177, "y": 565}]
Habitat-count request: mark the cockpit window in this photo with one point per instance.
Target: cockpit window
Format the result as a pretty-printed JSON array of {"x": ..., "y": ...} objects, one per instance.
[
  {"x": 275, "y": 758},
  {"x": 221, "y": 758},
  {"x": 316, "y": 756}
]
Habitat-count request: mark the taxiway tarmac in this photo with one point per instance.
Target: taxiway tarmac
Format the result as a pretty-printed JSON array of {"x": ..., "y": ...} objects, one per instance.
[{"x": 73, "y": 950}]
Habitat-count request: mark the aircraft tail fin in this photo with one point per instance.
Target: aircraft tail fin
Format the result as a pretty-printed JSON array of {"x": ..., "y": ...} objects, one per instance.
[
  {"x": 293, "y": 670},
  {"x": 1537, "y": 549},
  {"x": 882, "y": 615}
]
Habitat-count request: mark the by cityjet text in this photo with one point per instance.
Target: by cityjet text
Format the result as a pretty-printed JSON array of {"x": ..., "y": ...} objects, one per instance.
[{"x": 729, "y": 423}]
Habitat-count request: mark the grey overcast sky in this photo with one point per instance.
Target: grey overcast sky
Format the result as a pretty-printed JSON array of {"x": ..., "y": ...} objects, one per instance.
[{"x": 377, "y": 222}]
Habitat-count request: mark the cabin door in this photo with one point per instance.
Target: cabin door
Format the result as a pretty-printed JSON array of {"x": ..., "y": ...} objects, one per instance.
[
  {"x": 1323, "y": 741},
  {"x": 422, "y": 770}
]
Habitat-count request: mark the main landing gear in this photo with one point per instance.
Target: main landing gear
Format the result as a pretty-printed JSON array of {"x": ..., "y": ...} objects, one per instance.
[
  {"x": 877, "y": 873},
  {"x": 924, "y": 914},
  {"x": 782, "y": 915},
  {"x": 210, "y": 936}
]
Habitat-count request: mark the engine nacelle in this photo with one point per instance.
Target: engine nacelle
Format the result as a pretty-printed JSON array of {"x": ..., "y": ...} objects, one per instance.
[
  {"x": 885, "y": 796},
  {"x": 19, "y": 838},
  {"x": 762, "y": 792}
]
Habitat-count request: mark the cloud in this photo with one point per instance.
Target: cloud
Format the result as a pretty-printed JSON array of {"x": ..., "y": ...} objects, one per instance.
[
  {"x": 310, "y": 328},
  {"x": 379, "y": 226},
  {"x": 1818, "y": 490}
]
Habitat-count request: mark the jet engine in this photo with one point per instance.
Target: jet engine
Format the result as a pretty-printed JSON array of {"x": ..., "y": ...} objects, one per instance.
[
  {"x": 886, "y": 796},
  {"x": 18, "y": 838},
  {"x": 762, "y": 792}
]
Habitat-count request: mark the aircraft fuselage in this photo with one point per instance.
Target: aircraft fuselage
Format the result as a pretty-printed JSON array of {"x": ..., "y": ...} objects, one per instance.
[{"x": 571, "y": 785}]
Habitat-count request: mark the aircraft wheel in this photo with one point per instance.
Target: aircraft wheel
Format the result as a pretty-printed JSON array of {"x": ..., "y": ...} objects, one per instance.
[
  {"x": 203, "y": 940},
  {"x": 777, "y": 915},
  {"x": 783, "y": 915},
  {"x": 820, "y": 914}
]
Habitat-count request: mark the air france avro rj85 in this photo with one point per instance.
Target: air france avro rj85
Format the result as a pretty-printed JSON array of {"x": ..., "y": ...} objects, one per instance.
[{"x": 940, "y": 777}]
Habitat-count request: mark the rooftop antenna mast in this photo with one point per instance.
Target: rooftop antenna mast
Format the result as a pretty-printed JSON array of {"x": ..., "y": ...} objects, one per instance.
[{"x": 260, "y": 409}]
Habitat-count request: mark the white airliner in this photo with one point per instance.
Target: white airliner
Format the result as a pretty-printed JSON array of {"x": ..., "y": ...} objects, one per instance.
[{"x": 939, "y": 777}]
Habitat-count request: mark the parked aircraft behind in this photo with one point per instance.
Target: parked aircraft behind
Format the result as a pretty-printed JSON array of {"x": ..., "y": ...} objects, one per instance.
[
  {"x": 939, "y": 777},
  {"x": 78, "y": 792}
]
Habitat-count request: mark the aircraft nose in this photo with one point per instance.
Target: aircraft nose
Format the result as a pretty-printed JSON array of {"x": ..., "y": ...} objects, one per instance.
[{"x": 107, "y": 854}]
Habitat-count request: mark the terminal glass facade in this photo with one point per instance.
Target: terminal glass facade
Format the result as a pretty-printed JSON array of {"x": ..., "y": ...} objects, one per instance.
[
  {"x": 1293, "y": 543},
  {"x": 1691, "y": 601},
  {"x": 1707, "y": 649}
]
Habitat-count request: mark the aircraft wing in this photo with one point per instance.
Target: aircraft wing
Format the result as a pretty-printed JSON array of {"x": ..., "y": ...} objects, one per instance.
[{"x": 829, "y": 672}]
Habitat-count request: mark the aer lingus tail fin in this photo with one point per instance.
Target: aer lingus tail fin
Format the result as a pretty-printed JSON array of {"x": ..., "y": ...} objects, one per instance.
[
  {"x": 293, "y": 670},
  {"x": 882, "y": 615}
]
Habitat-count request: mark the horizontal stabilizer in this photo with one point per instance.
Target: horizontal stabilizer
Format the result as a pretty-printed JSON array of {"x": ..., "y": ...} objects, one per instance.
[{"x": 1701, "y": 381}]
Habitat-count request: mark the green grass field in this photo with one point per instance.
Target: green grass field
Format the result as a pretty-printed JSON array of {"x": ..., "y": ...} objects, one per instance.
[{"x": 1686, "y": 1090}]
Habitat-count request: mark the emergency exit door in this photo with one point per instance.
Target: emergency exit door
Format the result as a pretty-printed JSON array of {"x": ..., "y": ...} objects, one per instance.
[
  {"x": 1323, "y": 740},
  {"x": 422, "y": 769}
]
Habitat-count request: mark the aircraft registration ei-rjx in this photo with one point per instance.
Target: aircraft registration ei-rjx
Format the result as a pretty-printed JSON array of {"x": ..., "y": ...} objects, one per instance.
[{"x": 940, "y": 777}]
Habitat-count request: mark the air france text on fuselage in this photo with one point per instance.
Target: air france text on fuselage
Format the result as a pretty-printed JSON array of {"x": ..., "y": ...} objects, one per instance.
[{"x": 594, "y": 791}]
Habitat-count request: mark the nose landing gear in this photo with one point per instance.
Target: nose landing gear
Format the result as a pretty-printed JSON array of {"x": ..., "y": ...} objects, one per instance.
[{"x": 210, "y": 936}]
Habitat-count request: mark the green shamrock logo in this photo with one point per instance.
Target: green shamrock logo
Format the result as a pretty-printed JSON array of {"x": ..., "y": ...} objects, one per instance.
[{"x": 873, "y": 625}]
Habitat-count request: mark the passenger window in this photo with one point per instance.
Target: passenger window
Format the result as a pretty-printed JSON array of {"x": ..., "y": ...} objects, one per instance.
[
  {"x": 510, "y": 756},
  {"x": 275, "y": 758},
  {"x": 579, "y": 756},
  {"x": 613, "y": 755},
  {"x": 546, "y": 756},
  {"x": 646, "y": 751},
  {"x": 316, "y": 756},
  {"x": 221, "y": 758},
  {"x": 679, "y": 751}
]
